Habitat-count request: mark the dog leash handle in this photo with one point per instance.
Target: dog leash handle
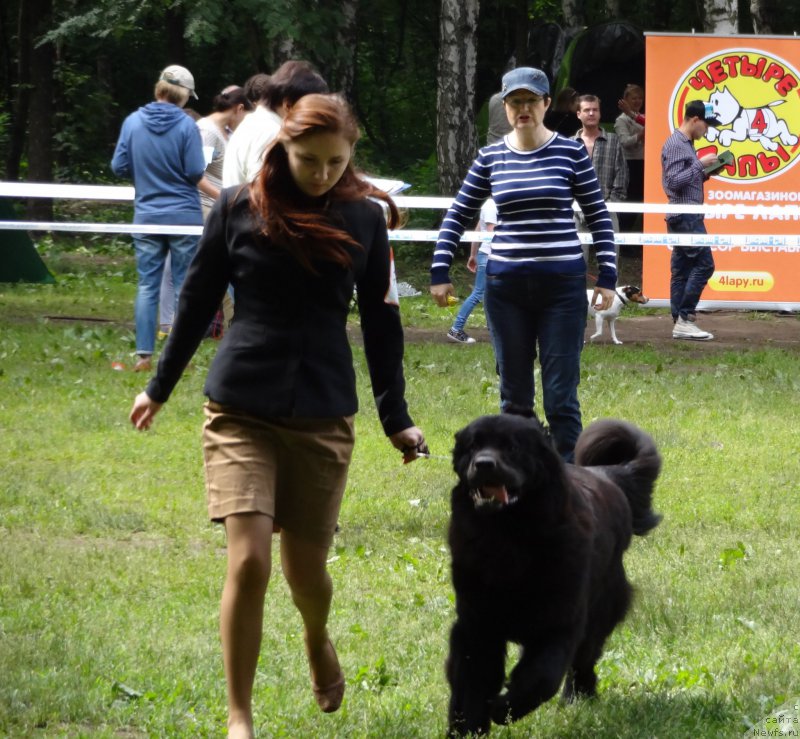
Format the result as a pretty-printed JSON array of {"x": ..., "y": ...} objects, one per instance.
[{"x": 410, "y": 453}]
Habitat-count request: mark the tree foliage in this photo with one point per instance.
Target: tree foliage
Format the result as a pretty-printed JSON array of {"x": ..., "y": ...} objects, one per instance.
[{"x": 104, "y": 56}]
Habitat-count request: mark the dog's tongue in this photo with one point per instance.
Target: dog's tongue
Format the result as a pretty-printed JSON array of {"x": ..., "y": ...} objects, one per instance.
[{"x": 498, "y": 492}]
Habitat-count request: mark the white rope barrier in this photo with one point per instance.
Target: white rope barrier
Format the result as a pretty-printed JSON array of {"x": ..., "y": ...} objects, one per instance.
[
  {"x": 745, "y": 242},
  {"x": 101, "y": 228},
  {"x": 789, "y": 243},
  {"x": 122, "y": 193},
  {"x": 753, "y": 242},
  {"x": 65, "y": 192}
]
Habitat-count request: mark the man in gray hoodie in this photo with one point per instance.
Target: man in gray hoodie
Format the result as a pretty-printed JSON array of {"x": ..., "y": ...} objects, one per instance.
[{"x": 160, "y": 149}]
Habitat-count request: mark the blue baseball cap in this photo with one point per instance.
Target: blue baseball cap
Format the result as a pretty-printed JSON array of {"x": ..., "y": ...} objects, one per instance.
[{"x": 525, "y": 78}]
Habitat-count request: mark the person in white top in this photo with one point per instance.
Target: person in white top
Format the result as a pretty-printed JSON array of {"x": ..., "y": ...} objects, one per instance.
[
  {"x": 630, "y": 129},
  {"x": 245, "y": 149},
  {"x": 230, "y": 107},
  {"x": 273, "y": 97}
]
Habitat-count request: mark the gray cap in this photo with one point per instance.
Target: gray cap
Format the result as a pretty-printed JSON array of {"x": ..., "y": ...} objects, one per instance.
[
  {"x": 177, "y": 75},
  {"x": 525, "y": 78}
]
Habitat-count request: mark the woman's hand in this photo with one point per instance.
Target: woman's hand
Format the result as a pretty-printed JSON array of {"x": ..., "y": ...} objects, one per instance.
[
  {"x": 605, "y": 296},
  {"x": 440, "y": 294},
  {"x": 144, "y": 411},
  {"x": 411, "y": 442}
]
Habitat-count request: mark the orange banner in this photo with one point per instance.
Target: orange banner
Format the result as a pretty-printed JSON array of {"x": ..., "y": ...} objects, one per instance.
[{"x": 751, "y": 82}]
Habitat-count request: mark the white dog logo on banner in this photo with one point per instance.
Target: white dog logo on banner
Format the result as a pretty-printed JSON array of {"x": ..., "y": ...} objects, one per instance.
[{"x": 757, "y": 124}]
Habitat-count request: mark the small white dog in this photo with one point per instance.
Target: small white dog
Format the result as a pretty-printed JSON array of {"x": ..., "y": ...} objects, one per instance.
[{"x": 624, "y": 295}]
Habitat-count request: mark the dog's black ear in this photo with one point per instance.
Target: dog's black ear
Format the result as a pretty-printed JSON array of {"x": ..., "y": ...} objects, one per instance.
[
  {"x": 548, "y": 455},
  {"x": 461, "y": 438},
  {"x": 550, "y": 473},
  {"x": 544, "y": 431}
]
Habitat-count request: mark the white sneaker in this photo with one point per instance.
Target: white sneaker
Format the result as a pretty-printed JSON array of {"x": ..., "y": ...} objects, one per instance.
[{"x": 684, "y": 329}]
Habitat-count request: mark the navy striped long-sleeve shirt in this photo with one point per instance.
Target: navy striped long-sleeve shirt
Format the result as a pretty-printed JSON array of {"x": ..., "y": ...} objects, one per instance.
[{"x": 533, "y": 191}]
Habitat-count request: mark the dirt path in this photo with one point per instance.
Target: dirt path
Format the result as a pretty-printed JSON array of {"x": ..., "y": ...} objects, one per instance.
[{"x": 731, "y": 329}]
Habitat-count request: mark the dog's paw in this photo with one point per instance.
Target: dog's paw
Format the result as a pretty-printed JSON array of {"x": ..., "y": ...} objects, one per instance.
[
  {"x": 501, "y": 710},
  {"x": 460, "y": 727},
  {"x": 617, "y": 341}
]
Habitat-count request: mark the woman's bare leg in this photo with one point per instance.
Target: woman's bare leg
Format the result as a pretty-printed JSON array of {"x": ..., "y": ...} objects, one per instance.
[
  {"x": 241, "y": 613},
  {"x": 304, "y": 566}
]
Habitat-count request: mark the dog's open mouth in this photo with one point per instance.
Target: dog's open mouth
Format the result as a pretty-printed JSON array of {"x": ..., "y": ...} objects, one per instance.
[{"x": 492, "y": 496}]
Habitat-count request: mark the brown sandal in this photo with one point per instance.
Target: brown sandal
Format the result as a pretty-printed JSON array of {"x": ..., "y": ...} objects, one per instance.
[
  {"x": 329, "y": 698},
  {"x": 144, "y": 363}
]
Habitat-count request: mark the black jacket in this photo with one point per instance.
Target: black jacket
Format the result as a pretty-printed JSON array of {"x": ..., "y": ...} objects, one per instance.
[{"x": 286, "y": 353}]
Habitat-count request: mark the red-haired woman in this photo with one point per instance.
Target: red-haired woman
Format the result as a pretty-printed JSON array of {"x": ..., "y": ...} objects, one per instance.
[{"x": 281, "y": 391}]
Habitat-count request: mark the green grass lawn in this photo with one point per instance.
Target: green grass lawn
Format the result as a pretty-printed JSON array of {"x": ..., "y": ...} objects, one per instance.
[{"x": 111, "y": 574}]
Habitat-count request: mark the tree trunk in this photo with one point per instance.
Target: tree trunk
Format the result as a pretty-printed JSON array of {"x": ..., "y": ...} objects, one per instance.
[
  {"x": 258, "y": 48},
  {"x": 104, "y": 66},
  {"x": 175, "y": 37},
  {"x": 574, "y": 16},
  {"x": 721, "y": 17},
  {"x": 521, "y": 34},
  {"x": 456, "y": 134},
  {"x": 40, "y": 121},
  {"x": 766, "y": 16},
  {"x": 286, "y": 50},
  {"x": 22, "y": 98},
  {"x": 343, "y": 70},
  {"x": 8, "y": 46}
]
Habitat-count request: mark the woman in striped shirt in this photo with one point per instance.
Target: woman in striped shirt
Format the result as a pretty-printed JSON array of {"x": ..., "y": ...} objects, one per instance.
[{"x": 536, "y": 275}]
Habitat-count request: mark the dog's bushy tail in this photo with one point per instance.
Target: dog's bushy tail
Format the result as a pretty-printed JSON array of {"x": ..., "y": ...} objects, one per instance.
[{"x": 632, "y": 461}]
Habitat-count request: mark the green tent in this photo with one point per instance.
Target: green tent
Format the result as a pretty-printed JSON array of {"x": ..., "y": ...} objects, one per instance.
[{"x": 19, "y": 260}]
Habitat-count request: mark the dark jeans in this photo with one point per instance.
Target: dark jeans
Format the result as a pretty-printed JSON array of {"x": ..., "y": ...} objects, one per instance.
[
  {"x": 548, "y": 311},
  {"x": 691, "y": 266}
]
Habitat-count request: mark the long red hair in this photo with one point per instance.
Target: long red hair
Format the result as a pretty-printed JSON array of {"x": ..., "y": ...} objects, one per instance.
[{"x": 286, "y": 216}]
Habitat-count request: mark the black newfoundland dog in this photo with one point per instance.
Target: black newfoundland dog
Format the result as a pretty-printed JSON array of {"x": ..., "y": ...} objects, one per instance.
[{"x": 537, "y": 550}]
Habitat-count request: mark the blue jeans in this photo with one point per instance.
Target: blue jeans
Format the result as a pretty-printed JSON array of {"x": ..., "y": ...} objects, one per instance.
[
  {"x": 691, "y": 266},
  {"x": 151, "y": 253},
  {"x": 166, "y": 302},
  {"x": 476, "y": 296},
  {"x": 548, "y": 311}
]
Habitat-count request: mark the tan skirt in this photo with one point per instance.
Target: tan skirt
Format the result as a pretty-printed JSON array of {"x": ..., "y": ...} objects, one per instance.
[{"x": 291, "y": 469}]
